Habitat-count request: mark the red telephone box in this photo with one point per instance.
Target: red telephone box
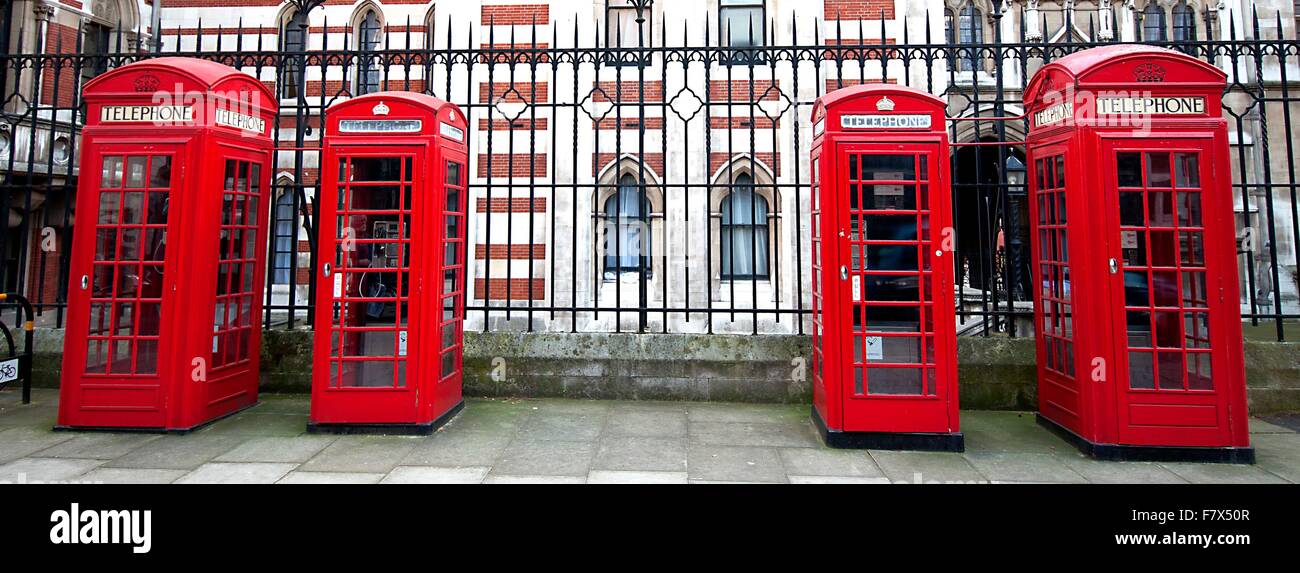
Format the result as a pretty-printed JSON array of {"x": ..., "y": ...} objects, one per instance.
[
  {"x": 167, "y": 262},
  {"x": 884, "y": 334},
  {"x": 392, "y": 237},
  {"x": 1139, "y": 328}
]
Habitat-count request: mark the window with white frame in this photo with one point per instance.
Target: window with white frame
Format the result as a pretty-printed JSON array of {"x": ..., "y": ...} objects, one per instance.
[
  {"x": 293, "y": 39},
  {"x": 628, "y": 25},
  {"x": 742, "y": 24},
  {"x": 965, "y": 26},
  {"x": 284, "y": 237},
  {"x": 626, "y": 232},
  {"x": 744, "y": 232},
  {"x": 369, "y": 30},
  {"x": 1153, "y": 23}
]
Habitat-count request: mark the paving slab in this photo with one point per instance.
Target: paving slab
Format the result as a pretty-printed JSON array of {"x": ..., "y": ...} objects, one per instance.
[
  {"x": 130, "y": 475},
  {"x": 237, "y": 473},
  {"x": 567, "y": 406},
  {"x": 1258, "y": 426},
  {"x": 926, "y": 467},
  {"x": 1024, "y": 467},
  {"x": 762, "y": 413},
  {"x": 829, "y": 462},
  {"x": 1223, "y": 473},
  {"x": 21, "y": 442},
  {"x": 301, "y": 477},
  {"x": 362, "y": 454},
  {"x": 563, "y": 426},
  {"x": 296, "y": 450},
  {"x": 252, "y": 423},
  {"x": 635, "y": 477},
  {"x": 180, "y": 452},
  {"x": 495, "y": 416},
  {"x": 796, "y": 435},
  {"x": 451, "y": 448},
  {"x": 425, "y": 474},
  {"x": 33, "y": 470},
  {"x": 647, "y": 423},
  {"x": 641, "y": 454},
  {"x": 1106, "y": 471},
  {"x": 818, "y": 480},
  {"x": 37, "y": 415},
  {"x": 725, "y": 482},
  {"x": 1278, "y": 454},
  {"x": 989, "y": 431},
  {"x": 546, "y": 458},
  {"x": 282, "y": 404},
  {"x": 98, "y": 445},
  {"x": 734, "y": 463},
  {"x": 540, "y": 480}
]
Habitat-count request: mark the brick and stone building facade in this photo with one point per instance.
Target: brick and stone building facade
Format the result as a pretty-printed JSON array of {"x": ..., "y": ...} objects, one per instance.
[{"x": 552, "y": 147}]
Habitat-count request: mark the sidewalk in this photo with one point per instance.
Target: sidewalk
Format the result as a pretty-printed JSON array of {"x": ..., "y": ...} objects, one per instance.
[{"x": 573, "y": 441}]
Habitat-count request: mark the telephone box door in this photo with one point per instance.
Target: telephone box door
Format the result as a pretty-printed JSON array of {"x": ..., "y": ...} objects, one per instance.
[
  {"x": 1170, "y": 316},
  {"x": 370, "y": 304},
  {"x": 118, "y": 299},
  {"x": 890, "y": 226}
]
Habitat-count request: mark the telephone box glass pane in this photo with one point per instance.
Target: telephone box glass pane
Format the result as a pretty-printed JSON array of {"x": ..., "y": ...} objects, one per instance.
[
  {"x": 890, "y": 246},
  {"x": 1164, "y": 271},
  {"x": 126, "y": 282},
  {"x": 232, "y": 317},
  {"x": 371, "y": 280},
  {"x": 453, "y": 266},
  {"x": 1054, "y": 269}
]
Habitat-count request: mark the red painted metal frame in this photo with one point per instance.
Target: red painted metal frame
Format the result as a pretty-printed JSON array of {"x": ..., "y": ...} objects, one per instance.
[
  {"x": 425, "y": 396},
  {"x": 183, "y": 391},
  {"x": 839, "y": 405},
  {"x": 1096, "y": 404}
]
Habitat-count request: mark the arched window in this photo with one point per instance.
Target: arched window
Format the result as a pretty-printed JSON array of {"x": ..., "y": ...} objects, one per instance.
[
  {"x": 966, "y": 28},
  {"x": 430, "y": 28},
  {"x": 368, "y": 32},
  {"x": 102, "y": 35},
  {"x": 293, "y": 38},
  {"x": 1153, "y": 23},
  {"x": 283, "y": 238},
  {"x": 1184, "y": 22},
  {"x": 627, "y": 229},
  {"x": 744, "y": 232}
]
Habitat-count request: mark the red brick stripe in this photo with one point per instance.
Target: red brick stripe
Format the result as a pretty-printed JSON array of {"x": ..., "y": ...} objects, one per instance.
[
  {"x": 514, "y": 14},
  {"x": 535, "y": 251},
  {"x": 512, "y": 205},
  {"x": 858, "y": 9},
  {"x": 519, "y": 289}
]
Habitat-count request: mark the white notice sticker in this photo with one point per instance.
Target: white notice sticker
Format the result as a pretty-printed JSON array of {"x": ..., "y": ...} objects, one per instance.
[
  {"x": 875, "y": 347},
  {"x": 857, "y": 288},
  {"x": 1129, "y": 239},
  {"x": 338, "y": 285},
  {"x": 401, "y": 343}
]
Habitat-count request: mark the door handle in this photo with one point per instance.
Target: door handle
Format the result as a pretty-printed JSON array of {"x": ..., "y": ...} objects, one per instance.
[
  {"x": 326, "y": 270},
  {"x": 85, "y": 282},
  {"x": 844, "y": 272},
  {"x": 1114, "y": 265}
]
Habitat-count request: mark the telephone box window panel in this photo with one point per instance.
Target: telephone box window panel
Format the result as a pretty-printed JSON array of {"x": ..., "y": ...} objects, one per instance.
[
  {"x": 884, "y": 339},
  {"x": 167, "y": 188},
  {"x": 387, "y": 354},
  {"x": 1139, "y": 346}
]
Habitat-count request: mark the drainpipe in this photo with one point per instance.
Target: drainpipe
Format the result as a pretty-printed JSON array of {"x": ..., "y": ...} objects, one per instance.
[{"x": 155, "y": 25}]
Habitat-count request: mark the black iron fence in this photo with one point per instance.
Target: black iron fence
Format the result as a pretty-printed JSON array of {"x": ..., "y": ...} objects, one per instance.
[{"x": 657, "y": 183}]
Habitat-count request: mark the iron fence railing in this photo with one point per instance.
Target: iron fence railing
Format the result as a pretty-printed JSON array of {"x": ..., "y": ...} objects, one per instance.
[{"x": 682, "y": 123}]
